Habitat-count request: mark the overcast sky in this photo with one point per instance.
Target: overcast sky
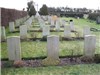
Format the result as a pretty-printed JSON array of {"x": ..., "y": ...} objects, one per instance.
[{"x": 20, "y": 4}]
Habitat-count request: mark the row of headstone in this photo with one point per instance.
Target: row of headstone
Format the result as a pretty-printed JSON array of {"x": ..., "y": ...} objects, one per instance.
[
  {"x": 29, "y": 22},
  {"x": 45, "y": 31},
  {"x": 20, "y": 21},
  {"x": 14, "y": 48},
  {"x": 17, "y": 22}
]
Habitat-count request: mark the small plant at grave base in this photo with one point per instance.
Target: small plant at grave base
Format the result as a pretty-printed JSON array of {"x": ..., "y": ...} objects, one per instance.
[
  {"x": 60, "y": 38},
  {"x": 18, "y": 63},
  {"x": 50, "y": 61},
  {"x": 44, "y": 38},
  {"x": 8, "y": 64},
  {"x": 97, "y": 58},
  {"x": 87, "y": 59},
  {"x": 33, "y": 35}
]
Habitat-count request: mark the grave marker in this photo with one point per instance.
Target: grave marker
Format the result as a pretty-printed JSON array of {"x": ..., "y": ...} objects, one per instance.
[{"x": 14, "y": 48}]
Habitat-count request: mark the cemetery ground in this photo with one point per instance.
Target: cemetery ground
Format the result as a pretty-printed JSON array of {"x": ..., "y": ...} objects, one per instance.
[{"x": 33, "y": 50}]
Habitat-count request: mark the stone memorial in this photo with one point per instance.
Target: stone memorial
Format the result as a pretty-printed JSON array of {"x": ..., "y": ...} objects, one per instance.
[
  {"x": 52, "y": 51},
  {"x": 14, "y": 48},
  {"x": 46, "y": 30},
  {"x": 3, "y": 33},
  {"x": 89, "y": 45},
  {"x": 11, "y": 26},
  {"x": 23, "y": 32},
  {"x": 86, "y": 31},
  {"x": 72, "y": 26},
  {"x": 67, "y": 31}
]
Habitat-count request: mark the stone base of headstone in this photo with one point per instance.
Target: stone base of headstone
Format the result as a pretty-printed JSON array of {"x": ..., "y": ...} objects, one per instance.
[{"x": 50, "y": 61}]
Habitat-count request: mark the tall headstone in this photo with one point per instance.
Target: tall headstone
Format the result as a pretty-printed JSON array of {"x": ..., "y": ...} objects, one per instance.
[
  {"x": 98, "y": 20},
  {"x": 11, "y": 26},
  {"x": 14, "y": 48},
  {"x": 52, "y": 51},
  {"x": 23, "y": 32},
  {"x": 67, "y": 31},
  {"x": 52, "y": 22},
  {"x": 72, "y": 26},
  {"x": 89, "y": 45},
  {"x": 58, "y": 25},
  {"x": 86, "y": 31},
  {"x": 17, "y": 22},
  {"x": 3, "y": 33},
  {"x": 46, "y": 30}
]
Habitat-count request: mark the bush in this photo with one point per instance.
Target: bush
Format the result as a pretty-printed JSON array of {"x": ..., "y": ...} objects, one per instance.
[
  {"x": 43, "y": 10},
  {"x": 93, "y": 16}
]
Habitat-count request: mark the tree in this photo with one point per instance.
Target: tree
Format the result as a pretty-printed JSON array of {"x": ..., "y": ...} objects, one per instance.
[
  {"x": 43, "y": 10},
  {"x": 30, "y": 9}
]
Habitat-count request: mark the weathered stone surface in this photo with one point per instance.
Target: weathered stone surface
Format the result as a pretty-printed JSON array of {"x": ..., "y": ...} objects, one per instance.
[
  {"x": 89, "y": 45},
  {"x": 86, "y": 31},
  {"x": 72, "y": 26},
  {"x": 46, "y": 30},
  {"x": 52, "y": 51},
  {"x": 23, "y": 32},
  {"x": 14, "y": 48},
  {"x": 67, "y": 31},
  {"x": 11, "y": 26},
  {"x": 3, "y": 33}
]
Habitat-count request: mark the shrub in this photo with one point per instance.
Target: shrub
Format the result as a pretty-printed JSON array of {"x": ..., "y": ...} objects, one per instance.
[{"x": 93, "y": 16}]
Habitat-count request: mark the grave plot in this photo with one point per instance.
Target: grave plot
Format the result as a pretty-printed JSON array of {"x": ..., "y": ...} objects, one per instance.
[{"x": 69, "y": 51}]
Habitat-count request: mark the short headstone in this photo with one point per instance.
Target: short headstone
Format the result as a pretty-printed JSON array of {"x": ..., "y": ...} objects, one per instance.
[
  {"x": 23, "y": 32},
  {"x": 85, "y": 16},
  {"x": 46, "y": 30},
  {"x": 11, "y": 26},
  {"x": 3, "y": 33},
  {"x": 52, "y": 51},
  {"x": 89, "y": 45},
  {"x": 14, "y": 48},
  {"x": 67, "y": 31},
  {"x": 86, "y": 31}
]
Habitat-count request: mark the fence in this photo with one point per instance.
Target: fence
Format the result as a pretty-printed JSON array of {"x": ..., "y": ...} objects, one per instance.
[{"x": 8, "y": 15}]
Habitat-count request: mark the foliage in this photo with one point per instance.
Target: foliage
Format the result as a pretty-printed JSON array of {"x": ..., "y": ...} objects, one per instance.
[
  {"x": 30, "y": 9},
  {"x": 93, "y": 16},
  {"x": 43, "y": 10}
]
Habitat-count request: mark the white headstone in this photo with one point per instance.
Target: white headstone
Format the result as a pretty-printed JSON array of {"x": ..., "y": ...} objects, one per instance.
[
  {"x": 11, "y": 26},
  {"x": 23, "y": 32},
  {"x": 52, "y": 51},
  {"x": 52, "y": 22},
  {"x": 14, "y": 48},
  {"x": 89, "y": 45},
  {"x": 17, "y": 22},
  {"x": 86, "y": 31},
  {"x": 72, "y": 25},
  {"x": 3, "y": 33},
  {"x": 67, "y": 31},
  {"x": 46, "y": 30},
  {"x": 53, "y": 46},
  {"x": 58, "y": 25}
]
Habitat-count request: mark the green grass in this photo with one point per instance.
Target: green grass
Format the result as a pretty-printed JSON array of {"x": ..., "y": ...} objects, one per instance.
[
  {"x": 90, "y": 69},
  {"x": 38, "y": 49}
]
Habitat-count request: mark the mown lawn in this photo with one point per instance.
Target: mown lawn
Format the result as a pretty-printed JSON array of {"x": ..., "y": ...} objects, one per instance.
[
  {"x": 83, "y": 69},
  {"x": 38, "y": 49}
]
